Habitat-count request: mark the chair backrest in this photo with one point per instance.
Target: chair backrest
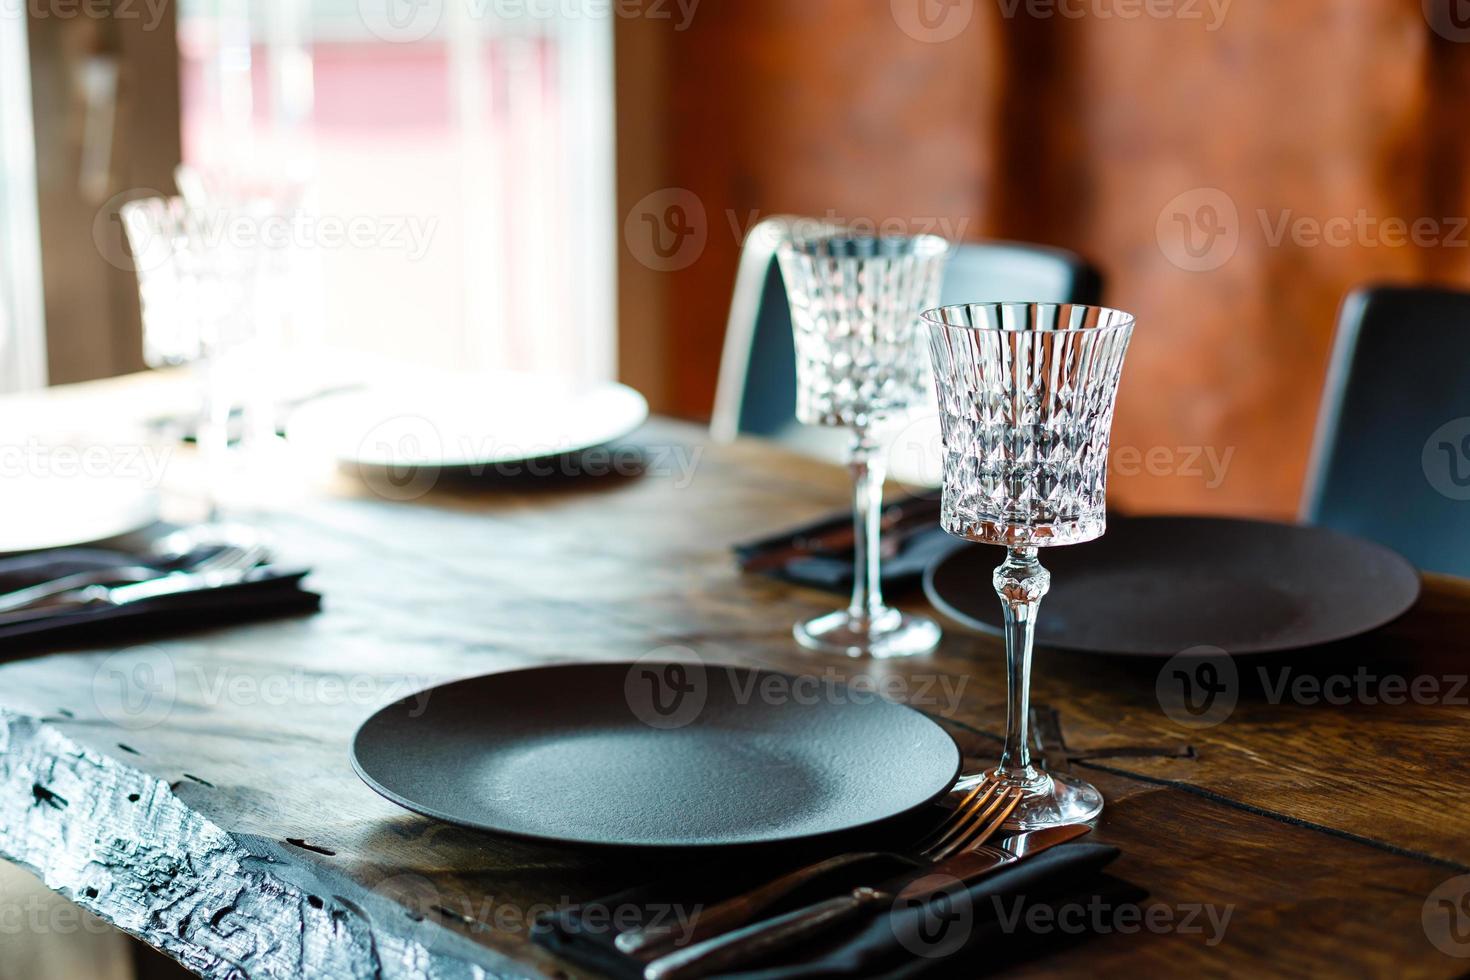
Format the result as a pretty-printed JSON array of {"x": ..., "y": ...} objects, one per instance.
[
  {"x": 1392, "y": 456},
  {"x": 757, "y": 387}
]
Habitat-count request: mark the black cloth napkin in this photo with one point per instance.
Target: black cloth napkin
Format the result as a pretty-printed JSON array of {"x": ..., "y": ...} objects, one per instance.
[
  {"x": 1040, "y": 904},
  {"x": 268, "y": 591},
  {"x": 919, "y": 545}
]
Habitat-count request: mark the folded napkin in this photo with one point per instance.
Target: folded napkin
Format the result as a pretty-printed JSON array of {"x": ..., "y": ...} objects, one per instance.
[
  {"x": 920, "y": 542},
  {"x": 1037, "y": 905},
  {"x": 267, "y": 591}
]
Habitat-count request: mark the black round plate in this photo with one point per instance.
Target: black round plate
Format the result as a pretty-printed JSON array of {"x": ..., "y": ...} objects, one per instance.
[
  {"x": 654, "y": 755},
  {"x": 1157, "y": 586}
]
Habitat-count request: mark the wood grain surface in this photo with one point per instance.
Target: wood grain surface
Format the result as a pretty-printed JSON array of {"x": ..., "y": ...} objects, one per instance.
[{"x": 196, "y": 790}]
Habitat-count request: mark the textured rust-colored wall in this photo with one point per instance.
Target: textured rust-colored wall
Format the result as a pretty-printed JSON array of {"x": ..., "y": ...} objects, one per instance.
[
  {"x": 811, "y": 108},
  {"x": 1304, "y": 125}
]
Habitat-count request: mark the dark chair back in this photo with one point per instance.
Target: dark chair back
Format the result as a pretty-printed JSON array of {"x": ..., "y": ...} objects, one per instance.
[
  {"x": 757, "y": 393},
  {"x": 1392, "y": 455}
]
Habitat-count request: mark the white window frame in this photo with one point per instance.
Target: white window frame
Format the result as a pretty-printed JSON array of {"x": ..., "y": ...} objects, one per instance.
[{"x": 22, "y": 302}]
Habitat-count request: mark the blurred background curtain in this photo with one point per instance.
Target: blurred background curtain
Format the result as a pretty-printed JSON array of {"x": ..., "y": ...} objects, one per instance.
[{"x": 1087, "y": 128}]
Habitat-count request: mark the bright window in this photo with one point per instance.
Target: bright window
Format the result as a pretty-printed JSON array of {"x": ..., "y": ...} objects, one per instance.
[{"x": 463, "y": 148}]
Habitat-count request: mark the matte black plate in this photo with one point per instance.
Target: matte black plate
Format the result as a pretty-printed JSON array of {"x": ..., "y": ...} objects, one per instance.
[
  {"x": 1156, "y": 586},
  {"x": 612, "y": 753}
]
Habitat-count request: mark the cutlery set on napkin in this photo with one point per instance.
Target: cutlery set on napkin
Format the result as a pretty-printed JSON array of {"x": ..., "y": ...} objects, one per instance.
[
  {"x": 819, "y": 555},
  {"x": 148, "y": 582},
  {"x": 888, "y": 915}
]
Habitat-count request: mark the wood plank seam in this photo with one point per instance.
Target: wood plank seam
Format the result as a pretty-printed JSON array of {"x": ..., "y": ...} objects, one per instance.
[
  {"x": 1185, "y": 751},
  {"x": 1277, "y": 816}
]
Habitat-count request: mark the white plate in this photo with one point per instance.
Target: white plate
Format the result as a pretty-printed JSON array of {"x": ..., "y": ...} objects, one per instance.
[
  {"x": 59, "y": 510},
  {"x": 464, "y": 421}
]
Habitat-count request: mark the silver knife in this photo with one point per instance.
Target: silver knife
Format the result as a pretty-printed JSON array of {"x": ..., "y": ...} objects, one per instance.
[
  {"x": 977, "y": 862},
  {"x": 174, "y": 583},
  {"x": 735, "y": 947}
]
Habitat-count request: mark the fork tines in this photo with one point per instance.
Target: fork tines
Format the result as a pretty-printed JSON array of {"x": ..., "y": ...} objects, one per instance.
[{"x": 973, "y": 821}]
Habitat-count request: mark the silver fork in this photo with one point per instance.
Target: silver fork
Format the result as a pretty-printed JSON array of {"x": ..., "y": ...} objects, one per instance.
[
  {"x": 229, "y": 558},
  {"x": 972, "y": 822}
]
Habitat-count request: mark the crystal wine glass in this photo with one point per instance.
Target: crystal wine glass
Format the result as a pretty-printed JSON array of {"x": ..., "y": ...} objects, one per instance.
[
  {"x": 1026, "y": 393},
  {"x": 860, "y": 362},
  {"x": 195, "y": 287}
]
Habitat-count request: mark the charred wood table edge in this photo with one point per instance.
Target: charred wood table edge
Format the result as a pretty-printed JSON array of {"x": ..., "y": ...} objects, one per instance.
[{"x": 118, "y": 842}]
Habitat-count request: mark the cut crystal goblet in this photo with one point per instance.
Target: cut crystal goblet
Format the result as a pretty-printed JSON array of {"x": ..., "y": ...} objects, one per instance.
[
  {"x": 1026, "y": 394},
  {"x": 860, "y": 362}
]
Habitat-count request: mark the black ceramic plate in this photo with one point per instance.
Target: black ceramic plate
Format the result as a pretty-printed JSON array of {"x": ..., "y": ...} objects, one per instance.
[
  {"x": 654, "y": 754},
  {"x": 1156, "y": 586}
]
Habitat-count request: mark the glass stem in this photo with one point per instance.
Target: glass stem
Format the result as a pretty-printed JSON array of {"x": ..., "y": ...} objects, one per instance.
[
  {"x": 867, "y": 509},
  {"x": 1020, "y": 581},
  {"x": 212, "y": 432}
]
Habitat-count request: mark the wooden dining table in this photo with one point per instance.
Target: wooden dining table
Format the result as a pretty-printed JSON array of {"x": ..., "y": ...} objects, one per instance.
[{"x": 196, "y": 790}]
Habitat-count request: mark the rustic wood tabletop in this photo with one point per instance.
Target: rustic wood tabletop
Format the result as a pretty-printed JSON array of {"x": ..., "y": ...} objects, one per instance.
[{"x": 196, "y": 790}]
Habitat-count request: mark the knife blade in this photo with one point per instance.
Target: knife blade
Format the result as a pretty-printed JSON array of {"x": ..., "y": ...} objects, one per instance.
[
  {"x": 172, "y": 584},
  {"x": 772, "y": 935},
  {"x": 976, "y": 863}
]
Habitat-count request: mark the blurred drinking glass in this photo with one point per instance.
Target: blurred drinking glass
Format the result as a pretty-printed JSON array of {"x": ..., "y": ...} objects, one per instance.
[{"x": 195, "y": 283}]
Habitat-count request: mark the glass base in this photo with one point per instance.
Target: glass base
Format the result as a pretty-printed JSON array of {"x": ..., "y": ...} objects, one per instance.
[
  {"x": 1050, "y": 801},
  {"x": 889, "y": 634}
]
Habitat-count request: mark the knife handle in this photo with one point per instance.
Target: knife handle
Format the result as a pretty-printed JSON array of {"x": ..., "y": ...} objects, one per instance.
[
  {"x": 740, "y": 909},
  {"x": 837, "y": 535},
  {"x": 771, "y": 936}
]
